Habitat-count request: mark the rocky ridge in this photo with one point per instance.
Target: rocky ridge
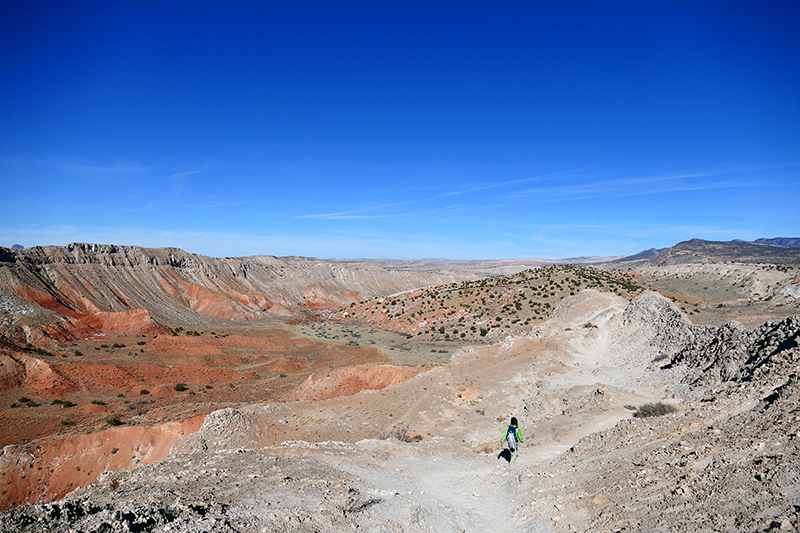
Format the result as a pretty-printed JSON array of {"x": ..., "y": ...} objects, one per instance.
[
  {"x": 80, "y": 280},
  {"x": 704, "y": 252}
]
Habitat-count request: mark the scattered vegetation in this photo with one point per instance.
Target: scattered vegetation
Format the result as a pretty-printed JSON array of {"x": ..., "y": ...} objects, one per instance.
[
  {"x": 653, "y": 409},
  {"x": 486, "y": 309},
  {"x": 37, "y": 351},
  {"x": 115, "y": 421},
  {"x": 180, "y": 387},
  {"x": 399, "y": 432},
  {"x": 25, "y": 401}
]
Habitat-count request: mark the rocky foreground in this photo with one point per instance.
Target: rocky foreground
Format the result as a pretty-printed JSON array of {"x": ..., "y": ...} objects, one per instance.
[{"x": 634, "y": 419}]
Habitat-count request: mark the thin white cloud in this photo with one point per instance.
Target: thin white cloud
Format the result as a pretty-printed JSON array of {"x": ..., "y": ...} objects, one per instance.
[
  {"x": 148, "y": 207},
  {"x": 79, "y": 166},
  {"x": 354, "y": 213},
  {"x": 178, "y": 180}
]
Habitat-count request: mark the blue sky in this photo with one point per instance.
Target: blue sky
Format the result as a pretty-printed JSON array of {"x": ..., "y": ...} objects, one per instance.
[{"x": 463, "y": 130}]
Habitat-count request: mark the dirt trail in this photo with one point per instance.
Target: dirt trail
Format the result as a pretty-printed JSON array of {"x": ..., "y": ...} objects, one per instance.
[{"x": 466, "y": 486}]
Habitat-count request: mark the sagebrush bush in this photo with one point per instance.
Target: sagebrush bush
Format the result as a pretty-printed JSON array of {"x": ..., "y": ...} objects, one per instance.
[
  {"x": 653, "y": 409},
  {"x": 400, "y": 433}
]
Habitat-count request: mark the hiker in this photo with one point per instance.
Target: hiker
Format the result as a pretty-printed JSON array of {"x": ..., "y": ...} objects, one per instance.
[{"x": 513, "y": 437}]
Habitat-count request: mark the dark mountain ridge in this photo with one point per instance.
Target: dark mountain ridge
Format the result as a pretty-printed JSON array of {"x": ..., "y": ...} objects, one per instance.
[
  {"x": 702, "y": 251},
  {"x": 781, "y": 241}
]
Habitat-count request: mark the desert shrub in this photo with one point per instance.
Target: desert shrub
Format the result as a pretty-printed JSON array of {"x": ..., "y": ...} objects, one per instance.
[
  {"x": 116, "y": 345},
  {"x": 98, "y": 402},
  {"x": 180, "y": 387},
  {"x": 653, "y": 409},
  {"x": 484, "y": 332},
  {"x": 114, "y": 421},
  {"x": 141, "y": 343},
  {"x": 399, "y": 432},
  {"x": 78, "y": 353},
  {"x": 144, "y": 391}
]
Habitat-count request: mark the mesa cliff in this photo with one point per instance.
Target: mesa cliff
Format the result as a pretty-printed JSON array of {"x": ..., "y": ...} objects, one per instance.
[{"x": 73, "y": 285}]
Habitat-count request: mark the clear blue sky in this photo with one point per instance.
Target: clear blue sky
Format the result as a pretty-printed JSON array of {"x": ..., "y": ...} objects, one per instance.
[{"x": 399, "y": 129}]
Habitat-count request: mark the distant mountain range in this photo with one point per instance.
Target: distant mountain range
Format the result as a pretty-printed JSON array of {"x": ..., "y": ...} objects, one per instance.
[
  {"x": 778, "y": 250},
  {"x": 781, "y": 241}
]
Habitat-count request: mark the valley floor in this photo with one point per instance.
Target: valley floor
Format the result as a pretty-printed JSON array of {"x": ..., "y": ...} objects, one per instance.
[{"x": 724, "y": 455}]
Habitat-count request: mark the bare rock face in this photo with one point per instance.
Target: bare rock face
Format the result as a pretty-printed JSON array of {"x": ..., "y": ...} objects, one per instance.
[
  {"x": 174, "y": 286},
  {"x": 353, "y": 379},
  {"x": 12, "y": 372},
  {"x": 655, "y": 325},
  {"x": 731, "y": 353}
]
